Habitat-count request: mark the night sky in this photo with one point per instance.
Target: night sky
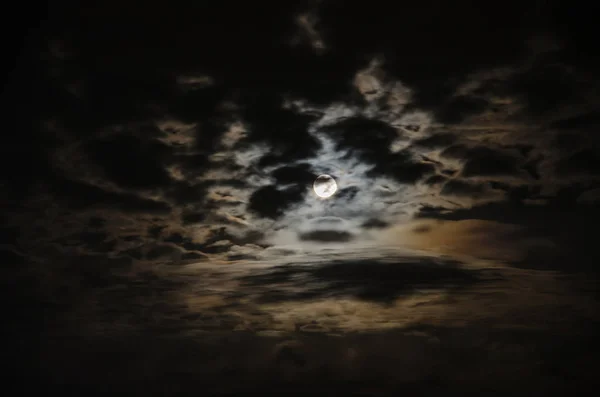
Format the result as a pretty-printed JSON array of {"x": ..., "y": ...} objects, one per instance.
[{"x": 160, "y": 233}]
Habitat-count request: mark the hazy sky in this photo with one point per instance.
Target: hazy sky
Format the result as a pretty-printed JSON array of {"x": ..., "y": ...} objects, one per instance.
[{"x": 157, "y": 178}]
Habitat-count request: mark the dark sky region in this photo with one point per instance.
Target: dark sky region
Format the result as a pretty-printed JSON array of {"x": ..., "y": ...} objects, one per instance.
[{"x": 161, "y": 235}]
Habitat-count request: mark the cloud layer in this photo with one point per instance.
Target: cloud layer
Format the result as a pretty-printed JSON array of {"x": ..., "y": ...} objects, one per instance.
[{"x": 157, "y": 180}]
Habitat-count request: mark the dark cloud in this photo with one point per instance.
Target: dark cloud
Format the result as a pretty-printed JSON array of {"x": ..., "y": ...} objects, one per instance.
[
  {"x": 271, "y": 202},
  {"x": 97, "y": 271},
  {"x": 348, "y": 193},
  {"x": 131, "y": 162},
  {"x": 423, "y": 228},
  {"x": 374, "y": 224},
  {"x": 568, "y": 141},
  {"x": 459, "y": 187},
  {"x": 11, "y": 259},
  {"x": 192, "y": 217},
  {"x": 486, "y": 162},
  {"x": 458, "y": 108},
  {"x": 583, "y": 121},
  {"x": 155, "y": 231},
  {"x": 134, "y": 253},
  {"x": 532, "y": 167},
  {"x": 424, "y": 358},
  {"x": 436, "y": 141},
  {"x": 285, "y": 131},
  {"x": 92, "y": 240},
  {"x": 81, "y": 195},
  {"x": 165, "y": 252},
  {"x": 299, "y": 174},
  {"x": 430, "y": 72},
  {"x": 130, "y": 98},
  {"x": 435, "y": 180},
  {"x": 326, "y": 236},
  {"x": 402, "y": 167},
  {"x": 368, "y": 138},
  {"x": 192, "y": 256},
  {"x": 96, "y": 222},
  {"x": 183, "y": 192},
  {"x": 457, "y": 151},
  {"x": 201, "y": 105},
  {"x": 545, "y": 88},
  {"x": 152, "y": 42},
  {"x": 138, "y": 219},
  {"x": 583, "y": 162},
  {"x": 370, "y": 280},
  {"x": 447, "y": 172},
  {"x": 9, "y": 234},
  {"x": 560, "y": 222},
  {"x": 176, "y": 238}
]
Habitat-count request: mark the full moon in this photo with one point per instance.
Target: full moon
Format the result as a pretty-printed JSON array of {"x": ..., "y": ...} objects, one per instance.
[{"x": 325, "y": 186}]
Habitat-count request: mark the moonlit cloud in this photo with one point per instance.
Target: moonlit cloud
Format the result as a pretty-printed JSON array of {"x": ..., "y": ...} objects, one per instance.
[{"x": 158, "y": 172}]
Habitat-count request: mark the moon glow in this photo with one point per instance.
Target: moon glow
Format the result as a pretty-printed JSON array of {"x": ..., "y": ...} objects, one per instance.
[{"x": 325, "y": 186}]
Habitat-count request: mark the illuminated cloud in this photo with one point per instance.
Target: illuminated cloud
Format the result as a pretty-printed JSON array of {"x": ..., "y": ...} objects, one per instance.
[{"x": 157, "y": 177}]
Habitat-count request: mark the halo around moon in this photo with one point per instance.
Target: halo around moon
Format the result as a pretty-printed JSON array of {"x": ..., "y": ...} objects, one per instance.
[{"x": 324, "y": 186}]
